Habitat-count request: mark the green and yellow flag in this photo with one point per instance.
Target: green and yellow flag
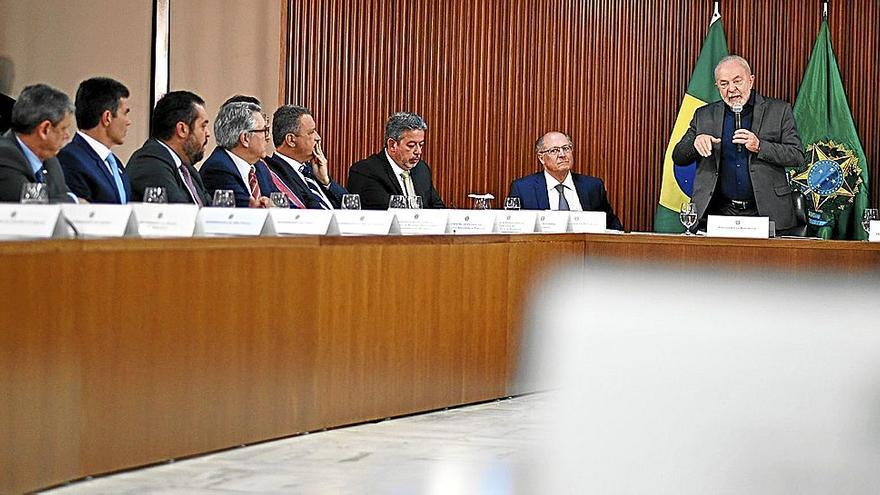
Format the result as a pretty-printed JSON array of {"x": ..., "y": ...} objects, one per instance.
[
  {"x": 835, "y": 177},
  {"x": 678, "y": 182}
]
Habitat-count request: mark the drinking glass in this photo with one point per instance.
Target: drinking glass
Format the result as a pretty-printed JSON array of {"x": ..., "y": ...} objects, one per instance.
[
  {"x": 155, "y": 195},
  {"x": 512, "y": 203},
  {"x": 415, "y": 202},
  {"x": 35, "y": 193},
  {"x": 279, "y": 200},
  {"x": 481, "y": 203},
  {"x": 867, "y": 216},
  {"x": 224, "y": 198},
  {"x": 351, "y": 201},
  {"x": 397, "y": 201},
  {"x": 688, "y": 216}
]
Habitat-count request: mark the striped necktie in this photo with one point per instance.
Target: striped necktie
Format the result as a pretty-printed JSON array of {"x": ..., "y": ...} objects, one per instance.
[
  {"x": 188, "y": 182},
  {"x": 252, "y": 181},
  {"x": 314, "y": 187}
]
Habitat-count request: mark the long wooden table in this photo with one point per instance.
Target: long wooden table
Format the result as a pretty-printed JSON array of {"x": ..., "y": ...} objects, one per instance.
[{"x": 120, "y": 353}]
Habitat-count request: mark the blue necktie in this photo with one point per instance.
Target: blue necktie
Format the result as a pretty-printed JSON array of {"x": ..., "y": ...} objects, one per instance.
[
  {"x": 38, "y": 175},
  {"x": 563, "y": 203},
  {"x": 313, "y": 186},
  {"x": 114, "y": 169}
]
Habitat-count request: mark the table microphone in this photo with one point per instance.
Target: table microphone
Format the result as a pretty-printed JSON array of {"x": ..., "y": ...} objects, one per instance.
[{"x": 737, "y": 113}]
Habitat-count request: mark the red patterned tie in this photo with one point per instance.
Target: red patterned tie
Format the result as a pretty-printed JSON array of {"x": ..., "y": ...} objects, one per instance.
[
  {"x": 252, "y": 181},
  {"x": 286, "y": 190}
]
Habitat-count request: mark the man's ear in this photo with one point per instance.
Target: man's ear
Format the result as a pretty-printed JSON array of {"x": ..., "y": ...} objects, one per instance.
[
  {"x": 43, "y": 128},
  {"x": 106, "y": 117},
  {"x": 390, "y": 144},
  {"x": 182, "y": 130}
]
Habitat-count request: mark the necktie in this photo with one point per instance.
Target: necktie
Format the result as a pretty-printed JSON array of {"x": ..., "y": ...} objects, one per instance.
[
  {"x": 188, "y": 182},
  {"x": 563, "y": 203},
  {"x": 38, "y": 175},
  {"x": 252, "y": 181},
  {"x": 408, "y": 187},
  {"x": 314, "y": 187},
  {"x": 286, "y": 190},
  {"x": 114, "y": 169}
]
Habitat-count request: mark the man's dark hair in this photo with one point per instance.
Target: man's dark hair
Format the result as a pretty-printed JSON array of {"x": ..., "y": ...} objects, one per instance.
[
  {"x": 174, "y": 107},
  {"x": 286, "y": 120},
  {"x": 38, "y": 103},
  {"x": 242, "y": 99},
  {"x": 94, "y": 97}
]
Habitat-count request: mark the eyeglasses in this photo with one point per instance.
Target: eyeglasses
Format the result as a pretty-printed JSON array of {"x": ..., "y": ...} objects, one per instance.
[
  {"x": 266, "y": 131},
  {"x": 558, "y": 150}
]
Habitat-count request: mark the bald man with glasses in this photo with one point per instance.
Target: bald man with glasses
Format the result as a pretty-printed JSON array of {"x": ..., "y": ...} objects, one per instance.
[{"x": 556, "y": 187}]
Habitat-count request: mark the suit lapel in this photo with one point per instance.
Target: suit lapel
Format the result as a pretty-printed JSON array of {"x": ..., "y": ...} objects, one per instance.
[
  {"x": 102, "y": 166},
  {"x": 540, "y": 192},
  {"x": 581, "y": 190},
  {"x": 758, "y": 114},
  {"x": 228, "y": 159},
  {"x": 389, "y": 172},
  {"x": 717, "y": 128}
]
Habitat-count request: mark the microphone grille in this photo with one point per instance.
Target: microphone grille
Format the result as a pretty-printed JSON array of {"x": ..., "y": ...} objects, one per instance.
[{"x": 737, "y": 108}]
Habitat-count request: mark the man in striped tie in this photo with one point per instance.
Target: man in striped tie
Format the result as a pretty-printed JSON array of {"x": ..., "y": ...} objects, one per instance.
[
  {"x": 242, "y": 134},
  {"x": 299, "y": 160}
]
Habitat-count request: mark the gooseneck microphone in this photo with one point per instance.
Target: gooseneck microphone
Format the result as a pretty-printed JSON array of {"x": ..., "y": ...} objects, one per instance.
[{"x": 737, "y": 113}]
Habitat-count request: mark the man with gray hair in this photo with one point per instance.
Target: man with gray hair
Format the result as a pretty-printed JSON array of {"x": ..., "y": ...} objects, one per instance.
[
  {"x": 398, "y": 169},
  {"x": 299, "y": 160},
  {"x": 742, "y": 146},
  {"x": 42, "y": 123},
  {"x": 241, "y": 132}
]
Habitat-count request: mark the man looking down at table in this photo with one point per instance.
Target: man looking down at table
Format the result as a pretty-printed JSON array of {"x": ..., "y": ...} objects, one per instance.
[
  {"x": 742, "y": 145},
  {"x": 398, "y": 169},
  {"x": 557, "y": 187}
]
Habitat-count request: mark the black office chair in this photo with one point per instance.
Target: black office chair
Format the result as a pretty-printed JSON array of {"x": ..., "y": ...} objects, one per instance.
[{"x": 800, "y": 215}]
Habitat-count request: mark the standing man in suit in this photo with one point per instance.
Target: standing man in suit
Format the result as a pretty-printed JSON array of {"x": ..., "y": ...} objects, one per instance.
[
  {"x": 742, "y": 145},
  {"x": 42, "y": 123},
  {"x": 91, "y": 170},
  {"x": 299, "y": 160},
  {"x": 242, "y": 133},
  {"x": 179, "y": 134},
  {"x": 557, "y": 187},
  {"x": 398, "y": 168}
]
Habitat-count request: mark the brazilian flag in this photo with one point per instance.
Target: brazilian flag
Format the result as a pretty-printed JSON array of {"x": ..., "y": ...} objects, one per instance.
[
  {"x": 678, "y": 182},
  {"x": 835, "y": 177}
]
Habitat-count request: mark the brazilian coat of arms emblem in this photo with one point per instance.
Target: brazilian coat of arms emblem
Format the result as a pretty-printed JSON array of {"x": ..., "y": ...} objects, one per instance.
[{"x": 830, "y": 180}]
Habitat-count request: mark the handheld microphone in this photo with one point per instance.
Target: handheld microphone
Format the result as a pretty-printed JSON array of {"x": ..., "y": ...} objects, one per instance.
[{"x": 737, "y": 113}]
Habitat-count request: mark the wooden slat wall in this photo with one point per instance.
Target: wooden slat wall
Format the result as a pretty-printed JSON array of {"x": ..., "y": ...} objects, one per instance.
[{"x": 491, "y": 76}]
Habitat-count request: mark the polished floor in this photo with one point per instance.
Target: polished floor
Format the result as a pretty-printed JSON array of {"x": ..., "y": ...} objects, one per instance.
[{"x": 481, "y": 449}]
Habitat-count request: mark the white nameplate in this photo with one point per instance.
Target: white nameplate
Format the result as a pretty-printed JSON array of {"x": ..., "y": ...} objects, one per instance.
[
  {"x": 733, "y": 226},
  {"x": 516, "y": 221},
  {"x": 163, "y": 220},
  {"x": 286, "y": 221},
  {"x": 471, "y": 222},
  {"x": 420, "y": 222},
  {"x": 552, "y": 221},
  {"x": 19, "y": 221},
  {"x": 589, "y": 222},
  {"x": 874, "y": 235},
  {"x": 97, "y": 220},
  {"x": 230, "y": 221},
  {"x": 361, "y": 222}
]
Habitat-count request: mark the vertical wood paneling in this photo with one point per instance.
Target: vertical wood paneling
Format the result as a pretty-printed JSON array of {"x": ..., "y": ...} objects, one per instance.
[{"x": 491, "y": 76}]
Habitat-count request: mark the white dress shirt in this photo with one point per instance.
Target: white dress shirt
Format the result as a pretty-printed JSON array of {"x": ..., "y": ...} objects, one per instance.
[
  {"x": 244, "y": 169},
  {"x": 102, "y": 151},
  {"x": 397, "y": 171},
  {"x": 574, "y": 203}
]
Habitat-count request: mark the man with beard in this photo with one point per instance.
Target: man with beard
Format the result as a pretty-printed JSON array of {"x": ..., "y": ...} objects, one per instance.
[
  {"x": 179, "y": 134},
  {"x": 742, "y": 145}
]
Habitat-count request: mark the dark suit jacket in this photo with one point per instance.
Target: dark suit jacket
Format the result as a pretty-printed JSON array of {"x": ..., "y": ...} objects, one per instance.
[
  {"x": 6, "y": 104},
  {"x": 373, "y": 178},
  {"x": 87, "y": 174},
  {"x": 220, "y": 172},
  {"x": 152, "y": 166},
  {"x": 773, "y": 123},
  {"x": 15, "y": 171},
  {"x": 285, "y": 171},
  {"x": 532, "y": 192}
]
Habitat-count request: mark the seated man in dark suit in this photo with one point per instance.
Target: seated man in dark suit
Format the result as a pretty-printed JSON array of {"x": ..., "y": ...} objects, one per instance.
[
  {"x": 179, "y": 134},
  {"x": 42, "y": 122},
  {"x": 91, "y": 170},
  {"x": 241, "y": 132},
  {"x": 556, "y": 187},
  {"x": 299, "y": 160},
  {"x": 398, "y": 168}
]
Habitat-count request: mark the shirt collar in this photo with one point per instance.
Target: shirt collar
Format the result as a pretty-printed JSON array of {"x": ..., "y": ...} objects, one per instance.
[
  {"x": 293, "y": 163},
  {"x": 552, "y": 182},
  {"x": 244, "y": 168},
  {"x": 34, "y": 161},
  {"x": 102, "y": 151},
  {"x": 177, "y": 161},
  {"x": 394, "y": 166}
]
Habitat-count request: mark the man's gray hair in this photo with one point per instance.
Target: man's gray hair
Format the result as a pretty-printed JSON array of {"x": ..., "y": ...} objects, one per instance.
[
  {"x": 287, "y": 120},
  {"x": 401, "y": 122},
  {"x": 232, "y": 120},
  {"x": 733, "y": 58},
  {"x": 539, "y": 144},
  {"x": 38, "y": 103}
]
